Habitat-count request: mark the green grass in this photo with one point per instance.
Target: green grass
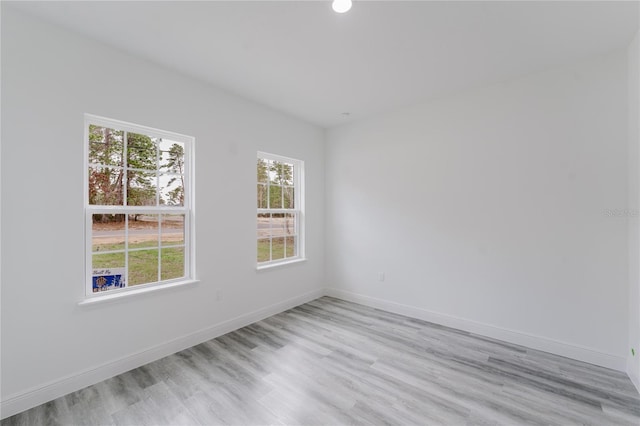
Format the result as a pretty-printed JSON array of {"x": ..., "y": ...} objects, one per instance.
[
  {"x": 263, "y": 250},
  {"x": 143, "y": 264},
  {"x": 172, "y": 263},
  {"x": 110, "y": 260},
  {"x": 143, "y": 267}
]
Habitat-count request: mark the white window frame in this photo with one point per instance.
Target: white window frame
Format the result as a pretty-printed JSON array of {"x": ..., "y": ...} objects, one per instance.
[
  {"x": 299, "y": 209},
  {"x": 187, "y": 209}
]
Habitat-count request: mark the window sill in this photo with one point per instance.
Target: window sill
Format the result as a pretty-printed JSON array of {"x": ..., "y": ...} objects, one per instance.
[
  {"x": 280, "y": 264},
  {"x": 126, "y": 294}
]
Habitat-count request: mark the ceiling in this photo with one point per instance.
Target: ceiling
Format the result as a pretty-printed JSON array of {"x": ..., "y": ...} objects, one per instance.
[{"x": 302, "y": 58}]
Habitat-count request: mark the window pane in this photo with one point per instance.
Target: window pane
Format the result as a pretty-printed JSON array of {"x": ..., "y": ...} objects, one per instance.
[
  {"x": 108, "y": 260},
  {"x": 263, "y": 171},
  {"x": 107, "y": 232},
  {"x": 105, "y": 146},
  {"x": 287, "y": 174},
  {"x": 275, "y": 197},
  {"x": 277, "y": 248},
  {"x": 264, "y": 227},
  {"x": 105, "y": 186},
  {"x": 287, "y": 195},
  {"x": 172, "y": 190},
  {"x": 264, "y": 248},
  {"x": 275, "y": 172},
  {"x": 292, "y": 249},
  {"x": 262, "y": 196},
  {"x": 171, "y": 156},
  {"x": 277, "y": 225},
  {"x": 143, "y": 266},
  {"x": 141, "y": 152},
  {"x": 141, "y": 188},
  {"x": 172, "y": 263},
  {"x": 290, "y": 224},
  {"x": 172, "y": 229},
  {"x": 143, "y": 231}
]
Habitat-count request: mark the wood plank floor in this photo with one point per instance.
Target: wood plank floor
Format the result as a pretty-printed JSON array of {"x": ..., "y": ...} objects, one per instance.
[{"x": 335, "y": 362}]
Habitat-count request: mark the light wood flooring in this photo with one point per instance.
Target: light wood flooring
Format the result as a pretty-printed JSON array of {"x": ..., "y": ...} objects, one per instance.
[{"x": 335, "y": 362}]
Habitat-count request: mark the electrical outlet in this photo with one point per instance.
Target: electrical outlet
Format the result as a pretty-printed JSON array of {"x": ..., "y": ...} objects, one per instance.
[
  {"x": 380, "y": 276},
  {"x": 218, "y": 295}
]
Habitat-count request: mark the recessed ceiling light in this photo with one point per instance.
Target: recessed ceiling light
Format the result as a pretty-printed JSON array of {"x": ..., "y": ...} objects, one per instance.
[{"x": 341, "y": 6}]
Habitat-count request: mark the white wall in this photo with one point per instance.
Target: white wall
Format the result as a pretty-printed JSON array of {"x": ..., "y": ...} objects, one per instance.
[
  {"x": 488, "y": 211},
  {"x": 633, "y": 362},
  {"x": 50, "y": 78}
]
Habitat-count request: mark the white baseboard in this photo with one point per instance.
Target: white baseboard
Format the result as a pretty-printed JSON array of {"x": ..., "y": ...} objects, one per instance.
[
  {"x": 33, "y": 397},
  {"x": 531, "y": 341}
]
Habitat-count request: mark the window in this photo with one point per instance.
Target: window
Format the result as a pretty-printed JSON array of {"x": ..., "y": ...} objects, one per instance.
[
  {"x": 280, "y": 216},
  {"x": 138, "y": 206}
]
